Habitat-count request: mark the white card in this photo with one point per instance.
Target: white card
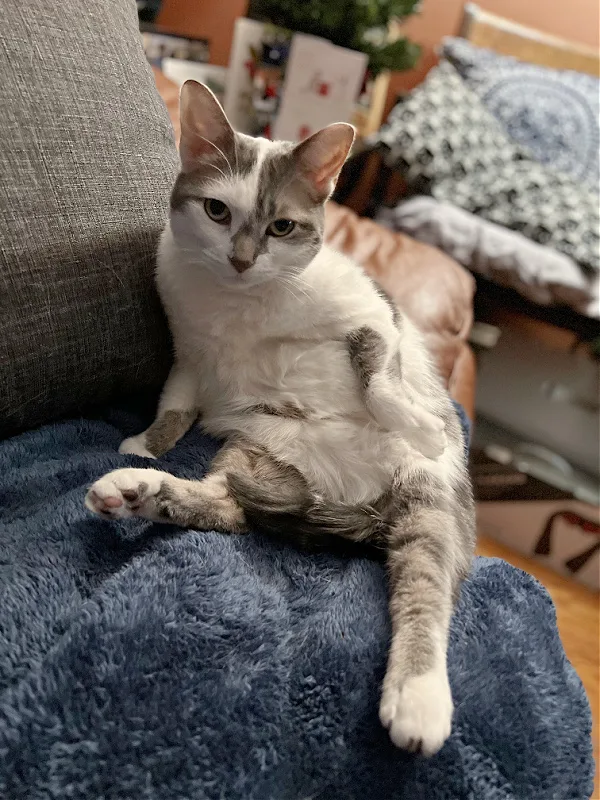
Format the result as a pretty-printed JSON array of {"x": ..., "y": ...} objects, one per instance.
[{"x": 321, "y": 85}]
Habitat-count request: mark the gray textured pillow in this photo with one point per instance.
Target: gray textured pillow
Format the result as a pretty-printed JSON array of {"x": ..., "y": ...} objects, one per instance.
[{"x": 87, "y": 160}]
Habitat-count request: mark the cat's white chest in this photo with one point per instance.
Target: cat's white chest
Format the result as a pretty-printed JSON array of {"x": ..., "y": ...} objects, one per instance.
[
  {"x": 309, "y": 373},
  {"x": 258, "y": 349}
]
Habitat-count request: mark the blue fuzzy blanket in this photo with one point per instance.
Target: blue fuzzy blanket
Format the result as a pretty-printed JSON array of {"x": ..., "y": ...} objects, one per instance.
[{"x": 139, "y": 661}]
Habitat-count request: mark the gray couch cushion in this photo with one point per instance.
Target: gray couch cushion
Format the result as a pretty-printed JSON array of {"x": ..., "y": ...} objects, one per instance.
[{"x": 87, "y": 159}]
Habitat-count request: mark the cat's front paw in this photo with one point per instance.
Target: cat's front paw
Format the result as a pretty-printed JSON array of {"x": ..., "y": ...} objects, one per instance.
[
  {"x": 418, "y": 715},
  {"x": 430, "y": 445},
  {"x": 433, "y": 424},
  {"x": 136, "y": 446},
  {"x": 126, "y": 493}
]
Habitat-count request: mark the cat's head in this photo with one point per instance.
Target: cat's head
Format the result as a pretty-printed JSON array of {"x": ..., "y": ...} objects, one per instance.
[{"x": 247, "y": 209}]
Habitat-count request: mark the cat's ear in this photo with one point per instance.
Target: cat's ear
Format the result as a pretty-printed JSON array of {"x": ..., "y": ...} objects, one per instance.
[
  {"x": 321, "y": 156},
  {"x": 205, "y": 130}
]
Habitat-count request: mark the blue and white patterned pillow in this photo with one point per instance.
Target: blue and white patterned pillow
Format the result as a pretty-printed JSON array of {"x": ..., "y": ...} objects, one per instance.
[
  {"x": 554, "y": 113},
  {"x": 444, "y": 142}
]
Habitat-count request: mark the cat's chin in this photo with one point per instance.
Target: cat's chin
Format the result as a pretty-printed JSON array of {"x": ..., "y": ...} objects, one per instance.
[
  {"x": 252, "y": 278},
  {"x": 244, "y": 281}
]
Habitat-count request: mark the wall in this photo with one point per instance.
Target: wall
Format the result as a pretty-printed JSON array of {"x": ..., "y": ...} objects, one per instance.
[{"x": 212, "y": 19}]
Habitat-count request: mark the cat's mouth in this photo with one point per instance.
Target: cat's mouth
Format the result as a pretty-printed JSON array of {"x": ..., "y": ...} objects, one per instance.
[{"x": 244, "y": 280}]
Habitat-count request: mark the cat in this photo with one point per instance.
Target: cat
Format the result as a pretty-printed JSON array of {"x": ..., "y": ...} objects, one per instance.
[{"x": 334, "y": 418}]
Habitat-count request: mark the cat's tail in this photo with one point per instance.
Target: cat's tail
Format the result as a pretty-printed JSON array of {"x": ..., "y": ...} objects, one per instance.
[{"x": 312, "y": 520}]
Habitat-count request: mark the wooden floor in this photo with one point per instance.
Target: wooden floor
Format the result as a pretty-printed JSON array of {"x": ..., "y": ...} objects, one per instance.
[{"x": 578, "y": 613}]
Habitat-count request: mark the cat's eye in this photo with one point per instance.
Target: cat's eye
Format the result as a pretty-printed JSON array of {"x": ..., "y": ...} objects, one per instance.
[
  {"x": 217, "y": 211},
  {"x": 281, "y": 227}
]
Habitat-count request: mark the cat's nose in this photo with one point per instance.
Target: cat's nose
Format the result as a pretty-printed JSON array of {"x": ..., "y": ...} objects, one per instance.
[{"x": 239, "y": 264}]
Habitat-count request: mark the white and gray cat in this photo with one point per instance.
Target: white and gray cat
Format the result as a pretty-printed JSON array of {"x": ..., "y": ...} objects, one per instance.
[{"x": 334, "y": 418}]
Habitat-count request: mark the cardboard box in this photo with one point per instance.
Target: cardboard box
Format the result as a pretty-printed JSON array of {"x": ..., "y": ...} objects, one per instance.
[{"x": 543, "y": 521}]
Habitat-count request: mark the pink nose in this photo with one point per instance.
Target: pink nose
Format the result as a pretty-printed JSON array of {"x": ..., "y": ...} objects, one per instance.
[{"x": 239, "y": 264}]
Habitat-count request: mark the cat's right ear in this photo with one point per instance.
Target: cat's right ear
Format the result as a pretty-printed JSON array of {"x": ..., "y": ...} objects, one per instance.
[{"x": 206, "y": 134}]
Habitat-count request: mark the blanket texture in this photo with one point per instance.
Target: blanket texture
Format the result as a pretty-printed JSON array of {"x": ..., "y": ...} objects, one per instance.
[{"x": 139, "y": 661}]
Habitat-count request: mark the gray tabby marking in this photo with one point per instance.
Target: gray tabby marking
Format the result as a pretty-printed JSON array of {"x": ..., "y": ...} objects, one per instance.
[
  {"x": 167, "y": 430},
  {"x": 241, "y": 156},
  {"x": 281, "y": 193},
  {"x": 287, "y": 410},
  {"x": 367, "y": 350}
]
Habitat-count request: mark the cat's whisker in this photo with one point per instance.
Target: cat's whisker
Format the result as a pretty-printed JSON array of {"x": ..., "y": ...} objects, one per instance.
[
  {"x": 218, "y": 149},
  {"x": 214, "y": 166},
  {"x": 298, "y": 283},
  {"x": 292, "y": 292},
  {"x": 291, "y": 286},
  {"x": 302, "y": 282}
]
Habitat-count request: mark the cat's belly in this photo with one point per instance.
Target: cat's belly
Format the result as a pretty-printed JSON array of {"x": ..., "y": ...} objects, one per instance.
[
  {"x": 342, "y": 454},
  {"x": 313, "y": 375},
  {"x": 348, "y": 460}
]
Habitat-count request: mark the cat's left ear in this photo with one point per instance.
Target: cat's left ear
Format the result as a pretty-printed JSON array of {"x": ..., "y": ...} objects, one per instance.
[
  {"x": 206, "y": 134},
  {"x": 321, "y": 157}
]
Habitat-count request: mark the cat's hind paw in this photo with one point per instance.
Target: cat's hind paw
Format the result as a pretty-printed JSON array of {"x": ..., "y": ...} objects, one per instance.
[
  {"x": 418, "y": 715},
  {"x": 126, "y": 493}
]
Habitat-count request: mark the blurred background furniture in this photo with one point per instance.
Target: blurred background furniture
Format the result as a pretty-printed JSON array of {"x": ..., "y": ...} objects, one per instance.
[{"x": 495, "y": 161}]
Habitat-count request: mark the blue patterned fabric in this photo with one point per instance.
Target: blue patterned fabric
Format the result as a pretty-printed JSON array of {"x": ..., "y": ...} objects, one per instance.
[
  {"x": 444, "y": 142},
  {"x": 554, "y": 113},
  {"x": 142, "y": 661}
]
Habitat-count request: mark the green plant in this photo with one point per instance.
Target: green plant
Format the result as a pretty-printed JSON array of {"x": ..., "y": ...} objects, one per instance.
[{"x": 356, "y": 24}]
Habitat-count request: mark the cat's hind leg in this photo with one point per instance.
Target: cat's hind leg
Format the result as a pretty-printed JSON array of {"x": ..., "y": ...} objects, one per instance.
[
  {"x": 428, "y": 556},
  {"x": 161, "y": 497}
]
